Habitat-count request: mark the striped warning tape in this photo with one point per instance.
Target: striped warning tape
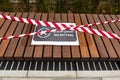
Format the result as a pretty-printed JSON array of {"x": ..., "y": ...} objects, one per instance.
[
  {"x": 51, "y": 24},
  {"x": 60, "y": 26},
  {"x": 77, "y": 28}
]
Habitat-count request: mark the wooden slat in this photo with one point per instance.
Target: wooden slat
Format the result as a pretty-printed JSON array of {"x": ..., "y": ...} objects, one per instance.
[
  {"x": 5, "y": 30},
  {"x": 38, "y": 48},
  {"x": 57, "y": 49},
  {"x": 118, "y": 23},
  {"x": 66, "y": 54},
  {"x": 83, "y": 45},
  {"x": 74, "y": 49},
  {"x": 113, "y": 28},
  {"x": 19, "y": 29},
  {"x": 2, "y": 29},
  {"x": 91, "y": 44},
  {"x": 11, "y": 47},
  {"x": 1, "y": 21},
  {"x": 100, "y": 45},
  {"x": 22, "y": 42},
  {"x": 47, "y": 54},
  {"x": 29, "y": 48},
  {"x": 91, "y": 47},
  {"x": 107, "y": 43},
  {"x": 111, "y": 47}
]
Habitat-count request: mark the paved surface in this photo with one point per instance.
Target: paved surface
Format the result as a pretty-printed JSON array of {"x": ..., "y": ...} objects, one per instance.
[
  {"x": 57, "y": 75},
  {"x": 51, "y": 79},
  {"x": 59, "y": 78}
]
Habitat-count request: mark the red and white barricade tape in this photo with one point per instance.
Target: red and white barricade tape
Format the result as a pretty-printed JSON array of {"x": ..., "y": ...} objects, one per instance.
[
  {"x": 60, "y": 26},
  {"x": 77, "y": 28},
  {"x": 51, "y": 24}
]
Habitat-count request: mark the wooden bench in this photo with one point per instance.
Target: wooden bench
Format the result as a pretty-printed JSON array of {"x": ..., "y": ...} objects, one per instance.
[{"x": 92, "y": 47}]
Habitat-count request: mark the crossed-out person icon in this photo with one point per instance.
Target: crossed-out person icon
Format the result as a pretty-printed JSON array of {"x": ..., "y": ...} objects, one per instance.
[{"x": 45, "y": 35}]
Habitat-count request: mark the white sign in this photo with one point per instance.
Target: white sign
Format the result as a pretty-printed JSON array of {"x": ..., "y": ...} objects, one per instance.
[{"x": 65, "y": 37}]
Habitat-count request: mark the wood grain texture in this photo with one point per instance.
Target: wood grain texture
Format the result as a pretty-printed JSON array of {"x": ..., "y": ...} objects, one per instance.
[
  {"x": 113, "y": 28},
  {"x": 47, "y": 54},
  {"x": 38, "y": 48},
  {"x": 5, "y": 31},
  {"x": 82, "y": 41},
  {"x": 91, "y": 44},
  {"x": 23, "y": 28},
  {"x": 75, "y": 51},
  {"x": 1, "y": 21},
  {"x": 99, "y": 43},
  {"x": 92, "y": 47},
  {"x": 107, "y": 43},
  {"x": 110, "y": 47},
  {"x": 13, "y": 43},
  {"x": 57, "y": 49},
  {"x": 29, "y": 48},
  {"x": 66, "y": 53}
]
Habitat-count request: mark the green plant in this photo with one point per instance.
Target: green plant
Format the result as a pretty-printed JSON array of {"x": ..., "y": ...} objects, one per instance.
[{"x": 62, "y": 6}]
